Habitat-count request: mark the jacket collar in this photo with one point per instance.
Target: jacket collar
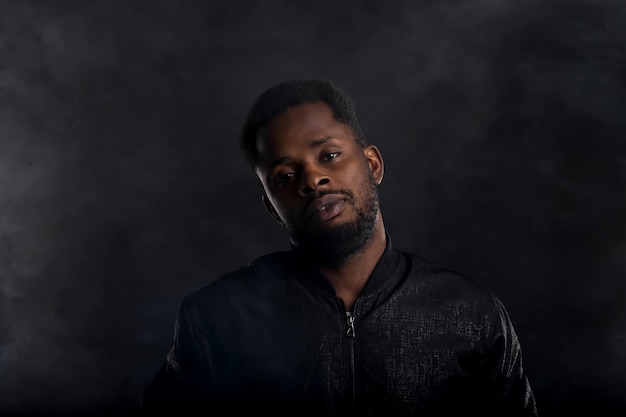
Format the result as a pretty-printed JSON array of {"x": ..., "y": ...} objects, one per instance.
[{"x": 385, "y": 270}]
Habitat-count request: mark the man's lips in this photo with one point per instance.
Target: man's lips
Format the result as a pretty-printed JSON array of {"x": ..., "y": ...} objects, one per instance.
[{"x": 325, "y": 208}]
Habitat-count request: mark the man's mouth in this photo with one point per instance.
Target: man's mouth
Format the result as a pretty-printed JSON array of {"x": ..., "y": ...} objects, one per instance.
[{"x": 325, "y": 208}]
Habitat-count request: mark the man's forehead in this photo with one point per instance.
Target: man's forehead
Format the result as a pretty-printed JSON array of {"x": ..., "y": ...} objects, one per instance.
[{"x": 272, "y": 146}]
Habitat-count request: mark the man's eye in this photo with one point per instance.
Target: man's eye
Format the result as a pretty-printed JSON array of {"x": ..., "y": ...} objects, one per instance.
[
  {"x": 283, "y": 179},
  {"x": 331, "y": 155}
]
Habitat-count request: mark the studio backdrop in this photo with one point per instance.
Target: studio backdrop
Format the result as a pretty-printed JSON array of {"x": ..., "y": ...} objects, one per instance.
[{"x": 502, "y": 125}]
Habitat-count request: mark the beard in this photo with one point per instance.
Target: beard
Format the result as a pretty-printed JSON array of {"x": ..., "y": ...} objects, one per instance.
[{"x": 336, "y": 244}]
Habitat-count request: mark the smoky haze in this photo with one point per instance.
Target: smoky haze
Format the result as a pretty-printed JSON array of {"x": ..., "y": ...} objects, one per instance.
[{"x": 122, "y": 186}]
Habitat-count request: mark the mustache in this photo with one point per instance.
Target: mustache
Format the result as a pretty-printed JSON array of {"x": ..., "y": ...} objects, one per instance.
[{"x": 343, "y": 191}]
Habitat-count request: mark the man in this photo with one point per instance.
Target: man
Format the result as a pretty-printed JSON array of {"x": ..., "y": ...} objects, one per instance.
[{"x": 343, "y": 323}]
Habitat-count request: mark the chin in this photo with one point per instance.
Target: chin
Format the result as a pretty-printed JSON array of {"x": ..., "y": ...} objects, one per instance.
[
  {"x": 335, "y": 241},
  {"x": 342, "y": 236},
  {"x": 329, "y": 225}
]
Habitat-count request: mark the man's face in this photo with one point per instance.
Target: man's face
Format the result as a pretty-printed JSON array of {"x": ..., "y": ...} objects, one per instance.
[{"x": 318, "y": 182}]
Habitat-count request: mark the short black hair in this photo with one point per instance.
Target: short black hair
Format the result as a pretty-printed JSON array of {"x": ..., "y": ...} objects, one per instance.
[{"x": 280, "y": 97}]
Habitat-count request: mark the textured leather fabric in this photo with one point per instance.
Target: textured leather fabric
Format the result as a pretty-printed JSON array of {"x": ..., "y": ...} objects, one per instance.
[{"x": 274, "y": 337}]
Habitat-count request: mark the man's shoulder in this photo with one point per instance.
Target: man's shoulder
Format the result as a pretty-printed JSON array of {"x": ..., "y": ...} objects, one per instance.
[
  {"x": 237, "y": 291},
  {"x": 271, "y": 260},
  {"x": 436, "y": 284},
  {"x": 426, "y": 267},
  {"x": 428, "y": 272},
  {"x": 254, "y": 274}
]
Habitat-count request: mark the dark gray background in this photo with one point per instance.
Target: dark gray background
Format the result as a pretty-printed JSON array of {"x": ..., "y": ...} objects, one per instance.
[{"x": 122, "y": 187}]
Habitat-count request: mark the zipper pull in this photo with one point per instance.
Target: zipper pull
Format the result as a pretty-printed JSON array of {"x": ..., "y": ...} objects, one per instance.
[{"x": 350, "y": 319}]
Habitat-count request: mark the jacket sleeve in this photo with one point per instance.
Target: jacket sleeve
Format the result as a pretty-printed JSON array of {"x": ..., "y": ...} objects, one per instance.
[
  {"x": 512, "y": 391},
  {"x": 183, "y": 382}
]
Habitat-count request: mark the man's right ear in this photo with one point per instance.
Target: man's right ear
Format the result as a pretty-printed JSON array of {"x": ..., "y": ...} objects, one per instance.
[{"x": 270, "y": 208}]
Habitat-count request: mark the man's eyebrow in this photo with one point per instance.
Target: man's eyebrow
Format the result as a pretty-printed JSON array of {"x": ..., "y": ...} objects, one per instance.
[
  {"x": 318, "y": 142},
  {"x": 279, "y": 161}
]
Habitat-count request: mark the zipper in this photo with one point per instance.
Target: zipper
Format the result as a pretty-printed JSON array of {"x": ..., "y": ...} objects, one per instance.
[
  {"x": 350, "y": 320},
  {"x": 351, "y": 334}
]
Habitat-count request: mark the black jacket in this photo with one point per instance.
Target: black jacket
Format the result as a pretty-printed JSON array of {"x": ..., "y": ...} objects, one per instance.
[{"x": 274, "y": 337}]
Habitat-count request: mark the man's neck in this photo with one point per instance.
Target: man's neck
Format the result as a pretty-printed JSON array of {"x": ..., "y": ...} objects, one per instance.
[{"x": 349, "y": 277}]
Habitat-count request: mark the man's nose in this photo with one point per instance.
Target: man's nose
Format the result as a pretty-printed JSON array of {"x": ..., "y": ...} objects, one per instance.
[{"x": 311, "y": 180}]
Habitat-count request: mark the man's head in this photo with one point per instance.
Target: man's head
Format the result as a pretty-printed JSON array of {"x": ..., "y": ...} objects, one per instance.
[
  {"x": 280, "y": 97},
  {"x": 319, "y": 177}
]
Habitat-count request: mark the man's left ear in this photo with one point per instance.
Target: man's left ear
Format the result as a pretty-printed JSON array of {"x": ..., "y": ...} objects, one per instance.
[
  {"x": 270, "y": 208},
  {"x": 376, "y": 163}
]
